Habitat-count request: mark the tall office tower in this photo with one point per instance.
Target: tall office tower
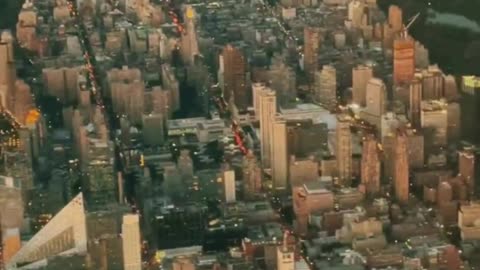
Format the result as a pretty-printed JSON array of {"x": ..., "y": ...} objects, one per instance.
[
  {"x": 454, "y": 119},
  {"x": 467, "y": 216},
  {"x": 450, "y": 87},
  {"x": 283, "y": 80},
  {"x": 466, "y": 167},
  {"x": 153, "y": 129},
  {"x": 257, "y": 89},
  {"x": 326, "y": 86},
  {"x": 185, "y": 163},
  {"x": 170, "y": 82},
  {"x": 229, "y": 186},
  {"x": 26, "y": 26},
  {"x": 403, "y": 59},
  {"x": 370, "y": 167},
  {"x": 401, "y": 168},
  {"x": 416, "y": 149},
  {"x": 356, "y": 10},
  {"x": 267, "y": 111},
  {"x": 343, "y": 150},
  {"x": 470, "y": 105},
  {"x": 432, "y": 83},
  {"x": 376, "y": 97},
  {"x": 395, "y": 19},
  {"x": 189, "y": 41},
  {"x": 415, "y": 98},
  {"x": 422, "y": 56},
  {"x": 434, "y": 118},
  {"x": 132, "y": 248},
  {"x": 159, "y": 101},
  {"x": 285, "y": 255},
  {"x": 312, "y": 39},
  {"x": 7, "y": 70},
  {"x": 234, "y": 77},
  {"x": 361, "y": 75},
  {"x": 279, "y": 154},
  {"x": 252, "y": 175}
]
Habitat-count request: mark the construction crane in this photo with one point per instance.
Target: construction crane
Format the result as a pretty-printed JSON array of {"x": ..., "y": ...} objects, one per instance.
[{"x": 404, "y": 33}]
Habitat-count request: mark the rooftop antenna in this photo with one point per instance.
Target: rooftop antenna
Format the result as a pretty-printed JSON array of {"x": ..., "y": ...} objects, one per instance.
[{"x": 404, "y": 33}]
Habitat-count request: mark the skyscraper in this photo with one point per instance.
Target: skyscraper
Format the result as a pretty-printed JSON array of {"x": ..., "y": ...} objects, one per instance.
[
  {"x": 370, "y": 167},
  {"x": 415, "y": 97},
  {"x": 326, "y": 86},
  {"x": 132, "y": 248},
  {"x": 470, "y": 105},
  {"x": 343, "y": 150},
  {"x": 311, "y": 36},
  {"x": 283, "y": 81},
  {"x": 395, "y": 19},
  {"x": 7, "y": 70},
  {"x": 361, "y": 75},
  {"x": 229, "y": 186},
  {"x": 466, "y": 167},
  {"x": 279, "y": 154},
  {"x": 401, "y": 177},
  {"x": 375, "y": 97},
  {"x": 189, "y": 42},
  {"x": 234, "y": 77},
  {"x": 267, "y": 111},
  {"x": 403, "y": 59},
  {"x": 285, "y": 255},
  {"x": 252, "y": 175}
]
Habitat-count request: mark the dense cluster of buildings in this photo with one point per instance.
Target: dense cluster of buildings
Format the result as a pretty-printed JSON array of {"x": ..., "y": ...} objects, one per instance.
[{"x": 299, "y": 134}]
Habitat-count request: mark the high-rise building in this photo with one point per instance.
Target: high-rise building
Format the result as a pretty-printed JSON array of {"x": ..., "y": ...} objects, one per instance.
[
  {"x": 432, "y": 83},
  {"x": 467, "y": 216},
  {"x": 7, "y": 70},
  {"x": 356, "y": 10},
  {"x": 470, "y": 105},
  {"x": 285, "y": 255},
  {"x": 153, "y": 129},
  {"x": 403, "y": 59},
  {"x": 326, "y": 86},
  {"x": 343, "y": 150},
  {"x": 170, "y": 82},
  {"x": 283, "y": 81},
  {"x": 229, "y": 186},
  {"x": 234, "y": 77},
  {"x": 434, "y": 117},
  {"x": 252, "y": 175},
  {"x": 401, "y": 168},
  {"x": 267, "y": 111},
  {"x": 466, "y": 167},
  {"x": 132, "y": 248},
  {"x": 376, "y": 99},
  {"x": 361, "y": 75},
  {"x": 257, "y": 89},
  {"x": 11, "y": 203},
  {"x": 279, "y": 154},
  {"x": 26, "y": 26},
  {"x": 370, "y": 167},
  {"x": 415, "y": 98},
  {"x": 312, "y": 39},
  {"x": 189, "y": 44},
  {"x": 395, "y": 19}
]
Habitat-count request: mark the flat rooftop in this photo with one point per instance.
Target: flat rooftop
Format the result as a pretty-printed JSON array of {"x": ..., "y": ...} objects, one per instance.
[{"x": 317, "y": 113}]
